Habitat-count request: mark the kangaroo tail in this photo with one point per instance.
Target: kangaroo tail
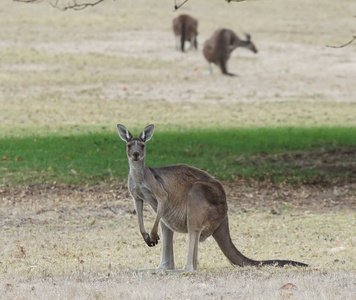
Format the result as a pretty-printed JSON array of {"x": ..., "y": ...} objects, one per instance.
[
  {"x": 182, "y": 36},
  {"x": 222, "y": 237},
  {"x": 222, "y": 65},
  {"x": 282, "y": 263}
]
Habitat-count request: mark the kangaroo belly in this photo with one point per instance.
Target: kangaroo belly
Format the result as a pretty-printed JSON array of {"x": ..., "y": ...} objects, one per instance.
[{"x": 175, "y": 219}]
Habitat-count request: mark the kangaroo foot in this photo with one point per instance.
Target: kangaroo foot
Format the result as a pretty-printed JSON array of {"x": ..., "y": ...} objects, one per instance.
[
  {"x": 163, "y": 271},
  {"x": 229, "y": 74},
  {"x": 153, "y": 270}
]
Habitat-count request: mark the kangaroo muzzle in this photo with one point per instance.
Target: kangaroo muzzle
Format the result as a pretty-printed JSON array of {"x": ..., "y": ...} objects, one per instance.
[{"x": 136, "y": 155}]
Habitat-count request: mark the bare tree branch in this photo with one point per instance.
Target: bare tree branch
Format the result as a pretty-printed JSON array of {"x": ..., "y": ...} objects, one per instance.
[
  {"x": 176, "y": 7},
  {"x": 75, "y": 5},
  {"x": 344, "y": 45},
  {"x": 71, "y": 5},
  {"x": 28, "y": 1}
]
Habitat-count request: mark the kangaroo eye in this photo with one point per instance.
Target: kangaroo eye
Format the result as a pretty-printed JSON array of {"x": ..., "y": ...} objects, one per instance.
[
  {"x": 142, "y": 147},
  {"x": 128, "y": 146}
]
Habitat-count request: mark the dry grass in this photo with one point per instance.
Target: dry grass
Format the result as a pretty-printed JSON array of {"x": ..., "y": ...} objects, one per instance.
[
  {"x": 239, "y": 284},
  {"x": 83, "y": 242},
  {"x": 114, "y": 63}
]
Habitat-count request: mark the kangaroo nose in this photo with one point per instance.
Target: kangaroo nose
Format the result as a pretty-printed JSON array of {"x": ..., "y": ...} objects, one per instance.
[{"x": 135, "y": 155}]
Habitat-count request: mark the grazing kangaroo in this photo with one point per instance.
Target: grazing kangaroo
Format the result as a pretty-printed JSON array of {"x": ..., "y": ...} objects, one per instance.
[
  {"x": 185, "y": 28},
  {"x": 185, "y": 200},
  {"x": 218, "y": 47}
]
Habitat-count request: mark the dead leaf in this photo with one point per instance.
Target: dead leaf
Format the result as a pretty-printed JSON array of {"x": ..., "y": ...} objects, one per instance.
[{"x": 289, "y": 286}]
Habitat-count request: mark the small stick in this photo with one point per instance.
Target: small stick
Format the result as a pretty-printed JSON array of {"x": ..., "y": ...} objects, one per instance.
[
  {"x": 344, "y": 45},
  {"x": 176, "y": 7}
]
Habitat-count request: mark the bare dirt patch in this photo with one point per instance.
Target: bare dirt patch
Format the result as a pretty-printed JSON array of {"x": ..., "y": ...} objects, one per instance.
[
  {"x": 62, "y": 202},
  {"x": 335, "y": 166}
]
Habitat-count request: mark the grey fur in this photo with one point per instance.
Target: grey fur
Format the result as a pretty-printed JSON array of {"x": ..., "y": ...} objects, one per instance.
[{"x": 186, "y": 200}]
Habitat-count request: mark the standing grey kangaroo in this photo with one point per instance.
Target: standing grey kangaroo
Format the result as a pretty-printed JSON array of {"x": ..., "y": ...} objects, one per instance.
[
  {"x": 186, "y": 200},
  {"x": 185, "y": 28},
  {"x": 218, "y": 47}
]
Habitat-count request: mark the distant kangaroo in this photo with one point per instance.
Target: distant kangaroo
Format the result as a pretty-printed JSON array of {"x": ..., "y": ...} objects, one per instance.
[
  {"x": 185, "y": 28},
  {"x": 218, "y": 47},
  {"x": 185, "y": 200}
]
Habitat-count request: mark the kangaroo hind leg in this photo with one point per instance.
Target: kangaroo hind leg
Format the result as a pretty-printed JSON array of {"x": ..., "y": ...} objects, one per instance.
[
  {"x": 203, "y": 217},
  {"x": 192, "y": 259},
  {"x": 167, "y": 257},
  {"x": 223, "y": 67}
]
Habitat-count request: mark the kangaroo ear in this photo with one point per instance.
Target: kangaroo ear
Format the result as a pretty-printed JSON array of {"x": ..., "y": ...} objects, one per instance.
[
  {"x": 147, "y": 133},
  {"x": 124, "y": 134},
  {"x": 248, "y": 37}
]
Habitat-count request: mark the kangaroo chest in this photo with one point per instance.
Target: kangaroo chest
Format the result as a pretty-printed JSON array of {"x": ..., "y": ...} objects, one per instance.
[
  {"x": 174, "y": 213},
  {"x": 145, "y": 194}
]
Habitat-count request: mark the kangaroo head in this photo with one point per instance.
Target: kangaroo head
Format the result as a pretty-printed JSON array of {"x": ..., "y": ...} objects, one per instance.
[
  {"x": 135, "y": 146},
  {"x": 249, "y": 45}
]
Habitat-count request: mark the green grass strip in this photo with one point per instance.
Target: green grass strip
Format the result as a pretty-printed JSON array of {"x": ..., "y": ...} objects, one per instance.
[{"x": 227, "y": 154}]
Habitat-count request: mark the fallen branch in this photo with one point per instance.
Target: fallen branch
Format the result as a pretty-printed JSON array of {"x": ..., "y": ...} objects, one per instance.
[{"x": 344, "y": 45}]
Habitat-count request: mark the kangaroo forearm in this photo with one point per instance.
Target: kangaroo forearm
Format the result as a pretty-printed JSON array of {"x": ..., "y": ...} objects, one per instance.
[
  {"x": 154, "y": 230},
  {"x": 139, "y": 211},
  {"x": 159, "y": 214},
  {"x": 146, "y": 237},
  {"x": 150, "y": 239}
]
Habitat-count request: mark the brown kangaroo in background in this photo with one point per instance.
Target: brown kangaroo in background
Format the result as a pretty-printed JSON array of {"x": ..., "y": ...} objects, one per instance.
[
  {"x": 218, "y": 47},
  {"x": 185, "y": 28},
  {"x": 186, "y": 200}
]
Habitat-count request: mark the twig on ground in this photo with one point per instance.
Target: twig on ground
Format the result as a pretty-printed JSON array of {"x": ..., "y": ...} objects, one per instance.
[{"x": 344, "y": 45}]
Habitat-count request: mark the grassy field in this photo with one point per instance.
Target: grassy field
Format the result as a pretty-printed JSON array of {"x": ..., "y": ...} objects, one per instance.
[
  {"x": 263, "y": 153},
  {"x": 281, "y": 136}
]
